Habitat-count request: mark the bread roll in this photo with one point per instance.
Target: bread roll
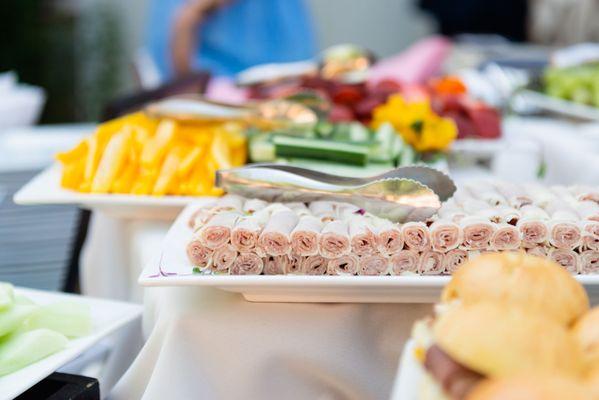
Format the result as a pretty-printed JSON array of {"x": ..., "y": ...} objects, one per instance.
[
  {"x": 530, "y": 388},
  {"x": 586, "y": 332},
  {"x": 498, "y": 340},
  {"x": 535, "y": 283}
]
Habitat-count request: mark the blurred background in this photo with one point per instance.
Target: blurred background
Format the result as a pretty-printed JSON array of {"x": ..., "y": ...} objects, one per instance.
[{"x": 81, "y": 51}]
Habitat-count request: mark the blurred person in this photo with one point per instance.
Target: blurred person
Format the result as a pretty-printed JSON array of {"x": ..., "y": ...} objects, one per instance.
[{"x": 227, "y": 36}]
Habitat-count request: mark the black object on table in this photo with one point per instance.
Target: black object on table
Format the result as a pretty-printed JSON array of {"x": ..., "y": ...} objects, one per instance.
[{"x": 60, "y": 386}]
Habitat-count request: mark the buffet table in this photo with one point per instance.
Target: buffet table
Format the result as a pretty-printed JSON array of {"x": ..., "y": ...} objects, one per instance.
[{"x": 331, "y": 350}]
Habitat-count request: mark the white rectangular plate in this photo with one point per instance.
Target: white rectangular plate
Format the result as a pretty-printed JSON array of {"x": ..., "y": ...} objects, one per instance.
[
  {"x": 45, "y": 189},
  {"x": 172, "y": 268},
  {"x": 409, "y": 375},
  {"x": 107, "y": 316}
]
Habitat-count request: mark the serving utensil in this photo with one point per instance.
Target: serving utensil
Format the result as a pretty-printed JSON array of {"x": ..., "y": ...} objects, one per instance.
[
  {"x": 412, "y": 193},
  {"x": 270, "y": 114}
]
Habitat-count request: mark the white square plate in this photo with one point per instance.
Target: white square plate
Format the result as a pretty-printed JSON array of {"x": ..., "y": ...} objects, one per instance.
[
  {"x": 172, "y": 268},
  {"x": 45, "y": 189},
  {"x": 107, "y": 316}
]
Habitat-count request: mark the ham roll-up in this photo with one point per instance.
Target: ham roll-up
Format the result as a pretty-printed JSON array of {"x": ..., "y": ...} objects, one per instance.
[
  {"x": 590, "y": 242},
  {"x": 564, "y": 234},
  {"x": 276, "y": 265},
  {"x": 566, "y": 258},
  {"x": 217, "y": 231},
  {"x": 453, "y": 213},
  {"x": 252, "y": 205},
  {"x": 275, "y": 237},
  {"x": 230, "y": 202},
  {"x": 514, "y": 194},
  {"x": 505, "y": 237},
  {"x": 588, "y": 210},
  {"x": 487, "y": 192},
  {"x": 223, "y": 258},
  {"x": 198, "y": 254},
  {"x": 247, "y": 264},
  {"x": 477, "y": 233},
  {"x": 589, "y": 196},
  {"x": 460, "y": 196},
  {"x": 541, "y": 197},
  {"x": 300, "y": 209},
  {"x": 539, "y": 251},
  {"x": 245, "y": 233},
  {"x": 314, "y": 265},
  {"x": 344, "y": 265},
  {"x": 389, "y": 239},
  {"x": 362, "y": 237},
  {"x": 501, "y": 214},
  {"x": 430, "y": 263},
  {"x": 445, "y": 235},
  {"x": 334, "y": 239},
  {"x": 585, "y": 193},
  {"x": 416, "y": 236},
  {"x": 533, "y": 227},
  {"x": 590, "y": 228},
  {"x": 453, "y": 259},
  {"x": 373, "y": 265},
  {"x": 200, "y": 216},
  {"x": 473, "y": 206},
  {"x": 325, "y": 210},
  {"x": 589, "y": 262},
  {"x": 304, "y": 237},
  {"x": 294, "y": 265},
  {"x": 405, "y": 261}
]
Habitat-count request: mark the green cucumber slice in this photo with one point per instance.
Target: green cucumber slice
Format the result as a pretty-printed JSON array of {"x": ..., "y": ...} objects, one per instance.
[
  {"x": 12, "y": 318},
  {"x": 18, "y": 351},
  {"x": 321, "y": 150},
  {"x": 69, "y": 318},
  {"x": 7, "y": 296}
]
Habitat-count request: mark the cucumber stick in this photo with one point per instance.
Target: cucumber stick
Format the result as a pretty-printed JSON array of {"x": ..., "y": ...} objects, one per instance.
[
  {"x": 69, "y": 318},
  {"x": 7, "y": 296},
  {"x": 13, "y": 317},
  {"x": 18, "y": 351},
  {"x": 321, "y": 150}
]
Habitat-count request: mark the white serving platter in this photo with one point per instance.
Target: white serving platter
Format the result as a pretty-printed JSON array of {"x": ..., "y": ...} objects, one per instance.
[
  {"x": 107, "y": 316},
  {"x": 409, "y": 375},
  {"x": 171, "y": 268},
  {"x": 45, "y": 189}
]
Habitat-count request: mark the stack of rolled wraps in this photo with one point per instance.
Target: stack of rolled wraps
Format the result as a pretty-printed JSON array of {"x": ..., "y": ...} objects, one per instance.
[{"x": 249, "y": 236}]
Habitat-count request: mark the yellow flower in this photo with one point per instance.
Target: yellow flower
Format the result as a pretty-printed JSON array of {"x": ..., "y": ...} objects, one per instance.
[{"x": 417, "y": 123}]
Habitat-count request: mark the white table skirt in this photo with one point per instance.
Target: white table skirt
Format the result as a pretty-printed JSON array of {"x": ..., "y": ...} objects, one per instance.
[{"x": 209, "y": 344}]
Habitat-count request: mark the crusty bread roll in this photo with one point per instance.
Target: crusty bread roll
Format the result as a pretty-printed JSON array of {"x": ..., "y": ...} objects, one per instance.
[
  {"x": 592, "y": 382},
  {"x": 586, "y": 331},
  {"x": 548, "y": 387},
  {"x": 498, "y": 340},
  {"x": 519, "y": 279}
]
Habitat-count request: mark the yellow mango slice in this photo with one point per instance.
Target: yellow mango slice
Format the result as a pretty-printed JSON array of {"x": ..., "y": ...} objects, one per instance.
[
  {"x": 112, "y": 162},
  {"x": 155, "y": 148},
  {"x": 168, "y": 171}
]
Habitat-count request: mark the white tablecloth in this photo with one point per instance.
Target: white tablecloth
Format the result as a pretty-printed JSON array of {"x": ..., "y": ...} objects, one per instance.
[{"x": 209, "y": 344}]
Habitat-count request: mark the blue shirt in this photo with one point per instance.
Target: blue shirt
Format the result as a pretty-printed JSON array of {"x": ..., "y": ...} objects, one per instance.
[{"x": 240, "y": 34}]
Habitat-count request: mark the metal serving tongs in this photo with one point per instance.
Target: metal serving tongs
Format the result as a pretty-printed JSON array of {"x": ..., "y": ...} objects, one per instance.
[
  {"x": 404, "y": 194},
  {"x": 270, "y": 114}
]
